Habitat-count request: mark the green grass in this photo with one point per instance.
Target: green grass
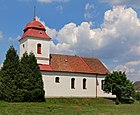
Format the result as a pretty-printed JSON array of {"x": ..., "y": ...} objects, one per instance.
[{"x": 70, "y": 106}]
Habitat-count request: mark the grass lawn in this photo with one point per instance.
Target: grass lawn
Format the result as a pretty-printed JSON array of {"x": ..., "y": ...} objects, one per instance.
[{"x": 70, "y": 106}]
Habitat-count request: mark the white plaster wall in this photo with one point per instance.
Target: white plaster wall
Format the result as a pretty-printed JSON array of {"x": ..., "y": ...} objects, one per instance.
[
  {"x": 23, "y": 49},
  {"x": 100, "y": 92},
  {"x": 63, "y": 89},
  {"x": 30, "y": 45}
]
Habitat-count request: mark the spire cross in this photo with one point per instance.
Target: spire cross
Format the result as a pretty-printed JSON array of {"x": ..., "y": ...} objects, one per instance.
[{"x": 34, "y": 12}]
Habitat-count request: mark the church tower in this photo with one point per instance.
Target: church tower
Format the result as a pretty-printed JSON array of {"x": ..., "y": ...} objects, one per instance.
[{"x": 35, "y": 39}]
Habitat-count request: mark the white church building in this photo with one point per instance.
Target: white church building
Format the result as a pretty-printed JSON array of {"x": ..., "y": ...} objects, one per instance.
[{"x": 63, "y": 75}]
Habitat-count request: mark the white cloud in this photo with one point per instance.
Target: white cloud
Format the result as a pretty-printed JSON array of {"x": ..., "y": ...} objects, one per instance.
[
  {"x": 115, "y": 61},
  {"x": 51, "y": 32},
  {"x": 1, "y": 35},
  {"x": 61, "y": 48},
  {"x": 135, "y": 49},
  {"x": 124, "y": 68},
  {"x": 90, "y": 11},
  {"x": 117, "y": 40},
  {"x": 12, "y": 40},
  {"x": 133, "y": 3},
  {"x": 132, "y": 69},
  {"x": 134, "y": 77},
  {"x": 50, "y": 1},
  {"x": 133, "y": 63}
]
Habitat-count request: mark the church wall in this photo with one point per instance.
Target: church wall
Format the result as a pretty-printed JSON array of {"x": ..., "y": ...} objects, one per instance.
[
  {"x": 100, "y": 92},
  {"x": 63, "y": 88}
]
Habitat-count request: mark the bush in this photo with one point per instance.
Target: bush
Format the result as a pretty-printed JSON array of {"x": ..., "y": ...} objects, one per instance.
[
  {"x": 137, "y": 96},
  {"x": 127, "y": 101},
  {"x": 117, "y": 102},
  {"x": 21, "y": 95},
  {"x": 37, "y": 95}
]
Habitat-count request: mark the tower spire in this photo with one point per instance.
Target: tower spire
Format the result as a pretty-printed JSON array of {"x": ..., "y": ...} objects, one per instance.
[{"x": 34, "y": 12}]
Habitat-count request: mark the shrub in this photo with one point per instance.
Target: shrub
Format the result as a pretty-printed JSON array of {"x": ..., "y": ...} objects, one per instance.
[
  {"x": 137, "y": 96},
  {"x": 117, "y": 102},
  {"x": 127, "y": 101}
]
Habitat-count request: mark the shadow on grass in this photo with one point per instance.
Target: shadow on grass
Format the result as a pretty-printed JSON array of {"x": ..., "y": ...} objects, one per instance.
[{"x": 123, "y": 100}]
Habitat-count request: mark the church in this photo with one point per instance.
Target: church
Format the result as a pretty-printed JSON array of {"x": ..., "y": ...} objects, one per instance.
[{"x": 63, "y": 75}]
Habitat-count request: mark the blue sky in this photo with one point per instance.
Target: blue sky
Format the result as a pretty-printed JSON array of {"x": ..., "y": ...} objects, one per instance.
[{"x": 106, "y": 29}]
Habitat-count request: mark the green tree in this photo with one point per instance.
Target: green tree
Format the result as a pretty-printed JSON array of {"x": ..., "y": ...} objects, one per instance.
[
  {"x": 8, "y": 74},
  {"x": 30, "y": 84},
  {"x": 38, "y": 93},
  {"x": 117, "y": 84}
]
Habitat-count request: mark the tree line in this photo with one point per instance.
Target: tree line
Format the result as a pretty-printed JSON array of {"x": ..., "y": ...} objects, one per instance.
[{"x": 21, "y": 79}]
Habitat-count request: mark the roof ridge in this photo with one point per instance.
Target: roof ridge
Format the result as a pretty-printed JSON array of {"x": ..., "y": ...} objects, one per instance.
[
  {"x": 62, "y": 54},
  {"x": 90, "y": 58},
  {"x": 81, "y": 58},
  {"x": 73, "y": 56}
]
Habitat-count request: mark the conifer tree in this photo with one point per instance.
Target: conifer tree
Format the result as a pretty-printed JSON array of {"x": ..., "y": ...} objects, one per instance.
[
  {"x": 38, "y": 91},
  {"x": 8, "y": 73},
  {"x": 30, "y": 83},
  {"x": 0, "y": 85},
  {"x": 22, "y": 93}
]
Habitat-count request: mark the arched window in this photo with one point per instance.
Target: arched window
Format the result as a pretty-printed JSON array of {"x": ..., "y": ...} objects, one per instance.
[
  {"x": 57, "y": 80},
  {"x": 84, "y": 83},
  {"x": 38, "y": 48},
  {"x": 72, "y": 83}
]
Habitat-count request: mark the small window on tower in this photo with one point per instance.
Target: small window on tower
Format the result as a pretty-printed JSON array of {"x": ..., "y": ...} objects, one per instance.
[
  {"x": 39, "y": 48},
  {"x": 23, "y": 45}
]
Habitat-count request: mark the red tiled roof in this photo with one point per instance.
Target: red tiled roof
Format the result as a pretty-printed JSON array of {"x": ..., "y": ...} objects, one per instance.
[
  {"x": 96, "y": 65},
  {"x": 35, "y": 29},
  {"x": 34, "y": 24},
  {"x": 75, "y": 64},
  {"x": 45, "y": 67}
]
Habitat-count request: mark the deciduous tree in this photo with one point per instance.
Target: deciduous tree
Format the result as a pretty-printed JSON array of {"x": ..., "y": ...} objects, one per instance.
[{"x": 118, "y": 84}]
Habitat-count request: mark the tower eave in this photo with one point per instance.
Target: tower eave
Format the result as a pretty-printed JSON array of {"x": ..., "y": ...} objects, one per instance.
[
  {"x": 35, "y": 33},
  {"x": 23, "y": 37}
]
